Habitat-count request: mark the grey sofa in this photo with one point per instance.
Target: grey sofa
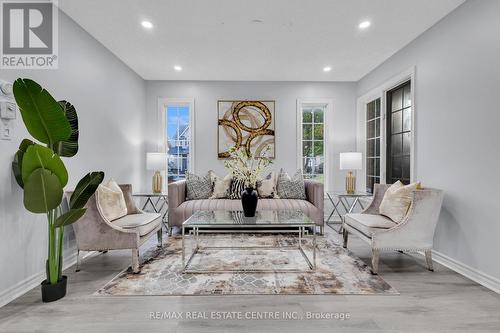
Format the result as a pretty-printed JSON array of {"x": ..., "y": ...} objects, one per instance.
[
  {"x": 180, "y": 210},
  {"x": 414, "y": 233},
  {"x": 96, "y": 233}
]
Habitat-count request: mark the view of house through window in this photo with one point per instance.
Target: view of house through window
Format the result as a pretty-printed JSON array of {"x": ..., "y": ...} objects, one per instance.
[
  {"x": 178, "y": 141},
  {"x": 313, "y": 148}
]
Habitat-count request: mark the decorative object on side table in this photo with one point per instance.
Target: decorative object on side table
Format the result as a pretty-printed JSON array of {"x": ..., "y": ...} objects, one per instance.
[
  {"x": 247, "y": 169},
  {"x": 156, "y": 162},
  {"x": 40, "y": 171},
  {"x": 350, "y": 161}
]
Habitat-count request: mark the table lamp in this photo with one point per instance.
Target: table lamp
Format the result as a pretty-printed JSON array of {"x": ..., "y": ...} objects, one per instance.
[
  {"x": 156, "y": 162},
  {"x": 350, "y": 161}
]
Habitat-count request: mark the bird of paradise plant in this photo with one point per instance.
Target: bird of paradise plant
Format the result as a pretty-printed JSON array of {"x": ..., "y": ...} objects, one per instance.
[{"x": 39, "y": 170}]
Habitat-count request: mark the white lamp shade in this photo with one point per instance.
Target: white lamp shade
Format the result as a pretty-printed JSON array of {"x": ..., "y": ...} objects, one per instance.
[
  {"x": 351, "y": 161},
  {"x": 156, "y": 161}
]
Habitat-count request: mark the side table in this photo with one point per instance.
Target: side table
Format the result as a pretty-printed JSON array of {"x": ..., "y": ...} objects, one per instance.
[
  {"x": 347, "y": 201},
  {"x": 156, "y": 201}
]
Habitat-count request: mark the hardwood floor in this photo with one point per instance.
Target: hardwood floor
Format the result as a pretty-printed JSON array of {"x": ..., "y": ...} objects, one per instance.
[{"x": 440, "y": 301}]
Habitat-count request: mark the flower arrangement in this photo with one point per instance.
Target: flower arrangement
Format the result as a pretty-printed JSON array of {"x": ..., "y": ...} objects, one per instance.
[{"x": 245, "y": 167}]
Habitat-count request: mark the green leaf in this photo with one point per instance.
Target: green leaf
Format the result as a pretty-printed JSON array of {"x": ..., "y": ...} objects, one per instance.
[
  {"x": 38, "y": 156},
  {"x": 85, "y": 188},
  {"x": 42, "y": 191},
  {"x": 42, "y": 114},
  {"x": 70, "y": 217},
  {"x": 69, "y": 147},
  {"x": 18, "y": 161}
]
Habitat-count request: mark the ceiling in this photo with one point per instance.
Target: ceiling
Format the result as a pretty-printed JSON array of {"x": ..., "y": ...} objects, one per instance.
[{"x": 258, "y": 40}]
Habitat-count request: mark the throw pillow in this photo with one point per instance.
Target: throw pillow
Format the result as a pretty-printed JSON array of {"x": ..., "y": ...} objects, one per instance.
[
  {"x": 220, "y": 186},
  {"x": 266, "y": 188},
  {"x": 198, "y": 187},
  {"x": 237, "y": 186},
  {"x": 291, "y": 188},
  {"x": 397, "y": 200},
  {"x": 111, "y": 201}
]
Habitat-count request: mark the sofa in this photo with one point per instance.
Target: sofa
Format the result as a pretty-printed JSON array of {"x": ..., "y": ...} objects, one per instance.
[
  {"x": 94, "y": 232},
  {"x": 414, "y": 233},
  {"x": 180, "y": 209}
]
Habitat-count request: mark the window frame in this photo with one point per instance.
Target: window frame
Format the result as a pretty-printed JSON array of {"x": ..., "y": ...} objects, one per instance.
[
  {"x": 163, "y": 104},
  {"x": 362, "y": 102},
  {"x": 375, "y": 119},
  {"x": 328, "y": 107}
]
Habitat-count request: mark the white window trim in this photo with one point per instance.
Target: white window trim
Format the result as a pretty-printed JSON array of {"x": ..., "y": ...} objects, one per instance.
[
  {"x": 162, "y": 134},
  {"x": 326, "y": 136},
  {"x": 381, "y": 92}
]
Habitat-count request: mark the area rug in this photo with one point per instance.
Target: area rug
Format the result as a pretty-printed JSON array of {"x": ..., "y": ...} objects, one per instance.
[{"x": 338, "y": 271}]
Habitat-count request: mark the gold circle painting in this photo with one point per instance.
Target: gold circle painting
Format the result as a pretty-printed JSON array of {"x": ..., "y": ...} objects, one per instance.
[{"x": 248, "y": 124}]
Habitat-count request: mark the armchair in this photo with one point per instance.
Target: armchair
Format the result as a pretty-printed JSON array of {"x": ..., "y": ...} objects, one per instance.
[
  {"x": 414, "y": 233},
  {"x": 94, "y": 232}
]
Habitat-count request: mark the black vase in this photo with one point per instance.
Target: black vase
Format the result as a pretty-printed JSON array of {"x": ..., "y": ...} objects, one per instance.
[
  {"x": 53, "y": 292},
  {"x": 249, "y": 200}
]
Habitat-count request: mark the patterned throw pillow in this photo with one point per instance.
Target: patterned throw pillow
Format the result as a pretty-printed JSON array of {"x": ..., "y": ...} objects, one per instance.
[
  {"x": 198, "y": 187},
  {"x": 267, "y": 187},
  {"x": 220, "y": 186},
  {"x": 237, "y": 186},
  {"x": 291, "y": 188}
]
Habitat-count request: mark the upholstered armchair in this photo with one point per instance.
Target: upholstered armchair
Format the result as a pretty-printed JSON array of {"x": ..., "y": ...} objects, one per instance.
[
  {"x": 414, "y": 233},
  {"x": 94, "y": 232}
]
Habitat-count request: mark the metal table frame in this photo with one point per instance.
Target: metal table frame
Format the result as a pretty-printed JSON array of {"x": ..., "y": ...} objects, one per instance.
[
  {"x": 342, "y": 199},
  {"x": 161, "y": 198},
  {"x": 241, "y": 228}
]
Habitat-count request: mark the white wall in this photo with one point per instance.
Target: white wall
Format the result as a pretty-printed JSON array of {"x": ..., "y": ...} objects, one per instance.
[
  {"x": 457, "y": 116},
  {"x": 109, "y": 99},
  {"x": 207, "y": 93}
]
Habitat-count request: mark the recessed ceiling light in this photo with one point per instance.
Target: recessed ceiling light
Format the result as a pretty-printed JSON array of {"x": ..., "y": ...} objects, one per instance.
[
  {"x": 365, "y": 24},
  {"x": 147, "y": 24},
  {"x": 178, "y": 68},
  {"x": 327, "y": 69}
]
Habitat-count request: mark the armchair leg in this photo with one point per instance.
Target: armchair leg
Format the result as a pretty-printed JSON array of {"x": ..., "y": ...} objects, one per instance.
[
  {"x": 321, "y": 230},
  {"x": 428, "y": 258},
  {"x": 77, "y": 269},
  {"x": 159, "y": 236},
  {"x": 135, "y": 261},
  {"x": 345, "y": 235},
  {"x": 375, "y": 256}
]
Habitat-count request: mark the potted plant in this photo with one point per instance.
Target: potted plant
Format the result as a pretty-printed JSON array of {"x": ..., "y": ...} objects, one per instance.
[
  {"x": 247, "y": 168},
  {"x": 40, "y": 172}
]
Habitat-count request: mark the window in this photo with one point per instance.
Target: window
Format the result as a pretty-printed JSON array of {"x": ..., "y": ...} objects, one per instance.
[
  {"x": 372, "y": 144},
  {"x": 177, "y": 115},
  {"x": 312, "y": 145},
  {"x": 399, "y": 136}
]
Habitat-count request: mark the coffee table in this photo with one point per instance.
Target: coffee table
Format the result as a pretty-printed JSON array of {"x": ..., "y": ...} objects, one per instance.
[{"x": 285, "y": 222}]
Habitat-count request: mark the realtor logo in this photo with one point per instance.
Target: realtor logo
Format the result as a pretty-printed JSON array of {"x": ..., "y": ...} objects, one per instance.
[{"x": 29, "y": 34}]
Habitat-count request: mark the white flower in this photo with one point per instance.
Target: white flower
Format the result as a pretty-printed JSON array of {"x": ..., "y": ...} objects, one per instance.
[{"x": 245, "y": 167}]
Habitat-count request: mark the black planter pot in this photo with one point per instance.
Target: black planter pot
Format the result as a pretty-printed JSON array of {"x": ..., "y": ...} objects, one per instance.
[
  {"x": 249, "y": 200},
  {"x": 53, "y": 292}
]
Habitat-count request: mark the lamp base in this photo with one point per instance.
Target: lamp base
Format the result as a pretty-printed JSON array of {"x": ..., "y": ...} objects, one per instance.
[
  {"x": 157, "y": 182},
  {"x": 350, "y": 183}
]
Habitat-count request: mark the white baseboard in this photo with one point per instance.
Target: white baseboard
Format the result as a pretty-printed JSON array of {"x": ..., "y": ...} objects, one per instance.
[
  {"x": 33, "y": 281},
  {"x": 475, "y": 275}
]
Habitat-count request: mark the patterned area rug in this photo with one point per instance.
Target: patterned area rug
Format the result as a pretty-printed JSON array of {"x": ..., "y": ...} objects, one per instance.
[{"x": 337, "y": 272}]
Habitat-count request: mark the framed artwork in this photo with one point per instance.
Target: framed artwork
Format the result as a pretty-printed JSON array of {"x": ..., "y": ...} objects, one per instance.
[{"x": 248, "y": 124}]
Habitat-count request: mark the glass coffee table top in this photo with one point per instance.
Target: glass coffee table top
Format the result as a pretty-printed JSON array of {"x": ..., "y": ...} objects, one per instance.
[{"x": 237, "y": 219}]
